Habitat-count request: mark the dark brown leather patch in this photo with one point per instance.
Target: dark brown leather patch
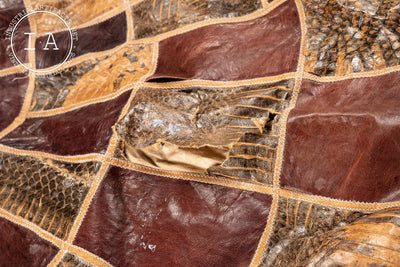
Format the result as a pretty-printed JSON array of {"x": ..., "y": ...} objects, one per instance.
[
  {"x": 137, "y": 219},
  {"x": 99, "y": 37},
  {"x": 12, "y": 94},
  {"x": 21, "y": 247},
  {"x": 20, "y": 41},
  {"x": 235, "y": 51},
  {"x": 81, "y": 131},
  {"x": 343, "y": 140}
]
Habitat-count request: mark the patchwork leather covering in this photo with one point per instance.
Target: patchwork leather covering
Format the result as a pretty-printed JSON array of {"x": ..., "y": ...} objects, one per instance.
[{"x": 200, "y": 133}]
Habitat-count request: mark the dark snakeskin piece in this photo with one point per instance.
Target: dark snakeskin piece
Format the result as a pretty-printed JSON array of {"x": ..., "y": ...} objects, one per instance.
[
  {"x": 46, "y": 192},
  {"x": 345, "y": 37}
]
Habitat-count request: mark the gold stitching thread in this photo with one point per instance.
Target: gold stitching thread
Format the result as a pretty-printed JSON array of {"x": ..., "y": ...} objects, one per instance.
[
  {"x": 196, "y": 177},
  {"x": 129, "y": 21},
  {"x": 256, "y": 14},
  {"x": 358, "y": 75},
  {"x": 28, "y": 95},
  {"x": 57, "y": 258},
  {"x": 337, "y": 203},
  {"x": 76, "y": 159},
  {"x": 11, "y": 70}
]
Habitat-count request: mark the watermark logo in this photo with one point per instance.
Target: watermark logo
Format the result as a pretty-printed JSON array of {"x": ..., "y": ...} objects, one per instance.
[{"x": 52, "y": 43}]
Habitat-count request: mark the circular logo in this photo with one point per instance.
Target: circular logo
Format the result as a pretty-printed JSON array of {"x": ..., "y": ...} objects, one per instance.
[{"x": 51, "y": 43}]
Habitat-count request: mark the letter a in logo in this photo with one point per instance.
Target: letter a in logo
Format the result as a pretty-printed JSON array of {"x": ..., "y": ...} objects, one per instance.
[{"x": 53, "y": 42}]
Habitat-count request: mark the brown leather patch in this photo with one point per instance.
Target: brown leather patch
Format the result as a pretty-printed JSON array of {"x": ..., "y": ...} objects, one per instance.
[
  {"x": 21, "y": 247},
  {"x": 235, "y": 51},
  {"x": 139, "y": 219},
  {"x": 81, "y": 131},
  {"x": 99, "y": 37},
  {"x": 12, "y": 94},
  {"x": 343, "y": 140}
]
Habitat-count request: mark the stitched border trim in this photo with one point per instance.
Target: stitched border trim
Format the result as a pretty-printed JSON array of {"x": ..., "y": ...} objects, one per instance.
[
  {"x": 196, "y": 177},
  {"x": 367, "y": 74},
  {"x": 337, "y": 203}
]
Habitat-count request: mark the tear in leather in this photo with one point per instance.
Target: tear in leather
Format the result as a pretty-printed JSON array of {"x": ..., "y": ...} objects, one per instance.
[
  {"x": 168, "y": 156},
  {"x": 200, "y": 129}
]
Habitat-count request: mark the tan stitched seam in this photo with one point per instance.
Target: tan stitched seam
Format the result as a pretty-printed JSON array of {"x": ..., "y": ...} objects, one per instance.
[
  {"x": 129, "y": 20},
  {"x": 258, "y": 256},
  {"x": 57, "y": 258},
  {"x": 337, "y": 203},
  {"x": 328, "y": 79},
  {"x": 196, "y": 177},
  {"x": 97, "y": 20},
  {"x": 210, "y": 83},
  {"x": 29, "y": 92},
  {"x": 31, "y": 153},
  {"x": 256, "y": 14},
  {"x": 11, "y": 70}
]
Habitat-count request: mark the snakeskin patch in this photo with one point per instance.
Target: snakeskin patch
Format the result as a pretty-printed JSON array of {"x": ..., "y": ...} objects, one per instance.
[
  {"x": 244, "y": 121},
  {"x": 46, "y": 192},
  {"x": 71, "y": 260},
  {"x": 298, "y": 229},
  {"x": 345, "y": 37},
  {"x": 93, "y": 78},
  {"x": 152, "y": 17}
]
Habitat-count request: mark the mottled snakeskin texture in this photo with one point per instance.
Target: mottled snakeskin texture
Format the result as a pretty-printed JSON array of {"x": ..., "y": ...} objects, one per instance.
[
  {"x": 300, "y": 231},
  {"x": 345, "y": 37},
  {"x": 46, "y": 192},
  {"x": 92, "y": 78},
  {"x": 244, "y": 118},
  {"x": 71, "y": 260},
  {"x": 313, "y": 235},
  {"x": 152, "y": 17}
]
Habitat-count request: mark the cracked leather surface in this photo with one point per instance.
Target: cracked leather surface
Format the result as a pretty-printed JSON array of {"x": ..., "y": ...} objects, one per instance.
[{"x": 201, "y": 133}]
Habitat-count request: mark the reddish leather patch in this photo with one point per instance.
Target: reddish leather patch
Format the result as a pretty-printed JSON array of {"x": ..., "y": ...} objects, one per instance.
[
  {"x": 343, "y": 140},
  {"x": 21, "y": 247},
  {"x": 81, "y": 131},
  {"x": 137, "y": 219},
  {"x": 233, "y": 51}
]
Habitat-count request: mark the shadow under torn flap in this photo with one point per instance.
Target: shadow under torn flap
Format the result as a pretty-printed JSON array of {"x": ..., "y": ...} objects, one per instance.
[{"x": 198, "y": 129}]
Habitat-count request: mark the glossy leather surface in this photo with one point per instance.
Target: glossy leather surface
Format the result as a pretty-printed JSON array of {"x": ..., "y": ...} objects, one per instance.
[
  {"x": 90, "y": 127},
  {"x": 141, "y": 220},
  {"x": 234, "y": 51},
  {"x": 343, "y": 140}
]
